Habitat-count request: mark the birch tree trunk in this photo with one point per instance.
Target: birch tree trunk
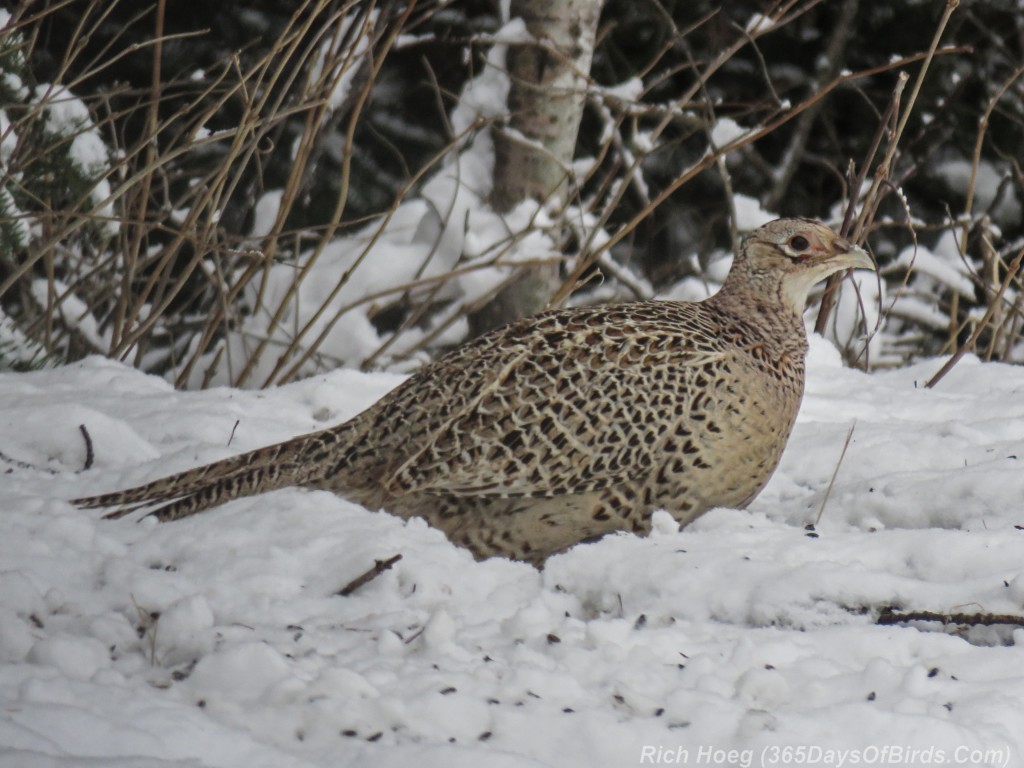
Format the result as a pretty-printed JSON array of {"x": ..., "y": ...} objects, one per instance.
[{"x": 534, "y": 150}]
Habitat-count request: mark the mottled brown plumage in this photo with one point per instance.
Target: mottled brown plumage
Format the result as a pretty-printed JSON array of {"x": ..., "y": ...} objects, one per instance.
[{"x": 571, "y": 424}]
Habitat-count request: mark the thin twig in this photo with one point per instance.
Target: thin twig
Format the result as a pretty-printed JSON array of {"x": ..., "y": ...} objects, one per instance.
[
  {"x": 379, "y": 566},
  {"x": 828, "y": 298},
  {"x": 889, "y": 616},
  {"x": 963, "y": 349},
  {"x": 979, "y": 141},
  {"x": 835, "y": 472},
  {"x": 89, "y": 455},
  {"x": 831, "y": 64},
  {"x": 884, "y": 169}
]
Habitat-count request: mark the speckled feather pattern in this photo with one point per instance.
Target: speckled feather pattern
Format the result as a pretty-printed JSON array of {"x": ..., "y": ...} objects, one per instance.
[{"x": 565, "y": 426}]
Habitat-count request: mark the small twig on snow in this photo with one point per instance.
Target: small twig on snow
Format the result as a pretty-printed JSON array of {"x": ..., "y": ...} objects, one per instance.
[
  {"x": 889, "y": 616},
  {"x": 379, "y": 566},
  {"x": 89, "y": 455},
  {"x": 832, "y": 481}
]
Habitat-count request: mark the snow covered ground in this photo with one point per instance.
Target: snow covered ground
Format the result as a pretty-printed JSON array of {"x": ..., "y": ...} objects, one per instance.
[{"x": 742, "y": 640}]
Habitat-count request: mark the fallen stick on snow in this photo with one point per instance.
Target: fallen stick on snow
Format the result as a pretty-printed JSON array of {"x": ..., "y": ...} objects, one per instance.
[{"x": 379, "y": 566}]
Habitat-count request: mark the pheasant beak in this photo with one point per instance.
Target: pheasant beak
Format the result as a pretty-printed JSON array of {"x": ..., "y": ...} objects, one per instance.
[{"x": 845, "y": 255}]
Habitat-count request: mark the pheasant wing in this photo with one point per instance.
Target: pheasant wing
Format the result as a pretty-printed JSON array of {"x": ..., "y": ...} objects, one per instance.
[{"x": 577, "y": 402}]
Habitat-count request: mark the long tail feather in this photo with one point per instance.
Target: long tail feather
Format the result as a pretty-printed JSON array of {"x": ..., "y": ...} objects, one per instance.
[
  {"x": 299, "y": 461},
  {"x": 237, "y": 486},
  {"x": 146, "y": 493}
]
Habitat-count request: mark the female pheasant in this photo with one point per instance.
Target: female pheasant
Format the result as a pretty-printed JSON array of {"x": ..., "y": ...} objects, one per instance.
[{"x": 571, "y": 424}]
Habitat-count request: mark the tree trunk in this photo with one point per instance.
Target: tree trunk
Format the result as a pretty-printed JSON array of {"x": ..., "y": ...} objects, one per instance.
[{"x": 533, "y": 152}]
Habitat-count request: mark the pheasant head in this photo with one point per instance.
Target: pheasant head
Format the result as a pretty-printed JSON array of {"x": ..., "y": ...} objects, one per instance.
[{"x": 787, "y": 257}]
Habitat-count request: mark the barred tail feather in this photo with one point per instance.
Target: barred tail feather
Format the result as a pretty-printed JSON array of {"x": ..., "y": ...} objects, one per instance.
[
  {"x": 294, "y": 462},
  {"x": 238, "y": 485},
  {"x": 166, "y": 486}
]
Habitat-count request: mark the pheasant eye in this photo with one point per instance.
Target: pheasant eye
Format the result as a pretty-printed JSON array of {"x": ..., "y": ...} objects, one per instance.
[{"x": 799, "y": 243}]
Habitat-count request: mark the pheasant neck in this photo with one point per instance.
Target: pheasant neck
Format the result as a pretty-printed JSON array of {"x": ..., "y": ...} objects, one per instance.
[{"x": 768, "y": 313}]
